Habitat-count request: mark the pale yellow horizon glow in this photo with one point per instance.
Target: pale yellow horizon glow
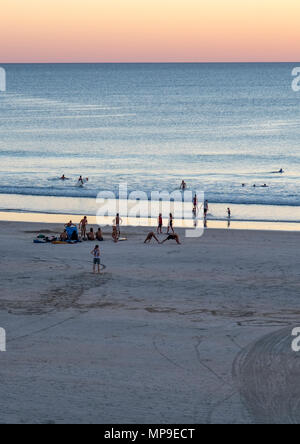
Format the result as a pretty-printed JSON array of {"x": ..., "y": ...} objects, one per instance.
[{"x": 38, "y": 31}]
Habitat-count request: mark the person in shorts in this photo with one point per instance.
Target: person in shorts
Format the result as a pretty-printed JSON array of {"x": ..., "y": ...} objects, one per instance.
[
  {"x": 160, "y": 224},
  {"x": 96, "y": 262},
  {"x": 174, "y": 237}
]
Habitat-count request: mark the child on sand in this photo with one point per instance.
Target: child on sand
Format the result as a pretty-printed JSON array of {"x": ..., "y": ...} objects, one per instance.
[{"x": 96, "y": 254}]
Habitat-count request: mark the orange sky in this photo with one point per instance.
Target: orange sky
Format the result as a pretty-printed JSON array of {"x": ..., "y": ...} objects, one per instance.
[{"x": 149, "y": 30}]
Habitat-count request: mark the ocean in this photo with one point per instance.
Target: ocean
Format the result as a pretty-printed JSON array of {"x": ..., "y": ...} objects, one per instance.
[{"x": 217, "y": 126}]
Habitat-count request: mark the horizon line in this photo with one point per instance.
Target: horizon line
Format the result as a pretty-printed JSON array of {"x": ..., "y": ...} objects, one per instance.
[{"x": 147, "y": 63}]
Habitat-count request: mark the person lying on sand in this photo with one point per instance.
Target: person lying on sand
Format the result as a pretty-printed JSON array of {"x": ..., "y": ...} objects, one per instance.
[
  {"x": 115, "y": 234},
  {"x": 91, "y": 235},
  {"x": 172, "y": 237},
  {"x": 99, "y": 235},
  {"x": 64, "y": 236},
  {"x": 149, "y": 238}
]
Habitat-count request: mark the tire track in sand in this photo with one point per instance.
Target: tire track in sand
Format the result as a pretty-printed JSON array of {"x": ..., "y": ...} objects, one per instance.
[{"x": 267, "y": 375}]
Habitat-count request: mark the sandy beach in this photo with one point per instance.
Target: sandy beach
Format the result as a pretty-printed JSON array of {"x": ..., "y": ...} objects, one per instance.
[{"x": 197, "y": 333}]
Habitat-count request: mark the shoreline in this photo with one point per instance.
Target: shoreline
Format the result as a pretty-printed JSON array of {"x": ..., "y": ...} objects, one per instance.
[{"x": 225, "y": 224}]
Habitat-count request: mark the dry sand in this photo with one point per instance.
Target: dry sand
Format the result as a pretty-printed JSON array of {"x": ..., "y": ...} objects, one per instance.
[{"x": 198, "y": 333}]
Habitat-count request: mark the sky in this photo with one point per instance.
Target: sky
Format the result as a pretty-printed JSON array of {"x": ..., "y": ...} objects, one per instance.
[{"x": 149, "y": 31}]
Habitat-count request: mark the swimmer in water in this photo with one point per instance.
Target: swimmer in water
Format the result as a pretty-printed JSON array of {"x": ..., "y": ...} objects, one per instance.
[{"x": 63, "y": 177}]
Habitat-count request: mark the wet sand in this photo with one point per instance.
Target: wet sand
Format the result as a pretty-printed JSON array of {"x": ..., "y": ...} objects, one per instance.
[{"x": 197, "y": 333}]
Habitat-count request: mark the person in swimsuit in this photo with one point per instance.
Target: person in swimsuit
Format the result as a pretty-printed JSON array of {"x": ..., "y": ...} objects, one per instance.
[
  {"x": 99, "y": 235},
  {"x": 170, "y": 226},
  {"x": 117, "y": 222},
  {"x": 173, "y": 236},
  {"x": 64, "y": 236},
  {"x": 160, "y": 224},
  {"x": 91, "y": 235},
  {"x": 63, "y": 177},
  {"x": 151, "y": 236},
  {"x": 115, "y": 234},
  {"x": 195, "y": 204},
  {"x": 96, "y": 254},
  {"x": 83, "y": 226},
  {"x": 69, "y": 224},
  {"x": 205, "y": 208},
  {"x": 229, "y": 213}
]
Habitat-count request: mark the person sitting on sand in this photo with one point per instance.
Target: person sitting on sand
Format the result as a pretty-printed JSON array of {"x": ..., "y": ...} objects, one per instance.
[
  {"x": 64, "y": 236},
  {"x": 96, "y": 254},
  {"x": 115, "y": 234},
  {"x": 173, "y": 236},
  {"x": 99, "y": 236},
  {"x": 149, "y": 238},
  {"x": 82, "y": 226},
  {"x": 91, "y": 235}
]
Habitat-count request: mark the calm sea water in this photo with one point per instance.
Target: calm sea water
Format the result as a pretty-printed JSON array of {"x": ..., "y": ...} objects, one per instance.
[{"x": 214, "y": 125}]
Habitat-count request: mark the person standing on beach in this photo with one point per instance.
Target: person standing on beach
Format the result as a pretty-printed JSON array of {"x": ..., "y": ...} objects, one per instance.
[
  {"x": 96, "y": 254},
  {"x": 170, "y": 226},
  {"x": 183, "y": 186},
  {"x": 115, "y": 235},
  {"x": 83, "y": 226},
  {"x": 117, "y": 222},
  {"x": 229, "y": 213},
  {"x": 195, "y": 204},
  {"x": 160, "y": 224},
  {"x": 205, "y": 209}
]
